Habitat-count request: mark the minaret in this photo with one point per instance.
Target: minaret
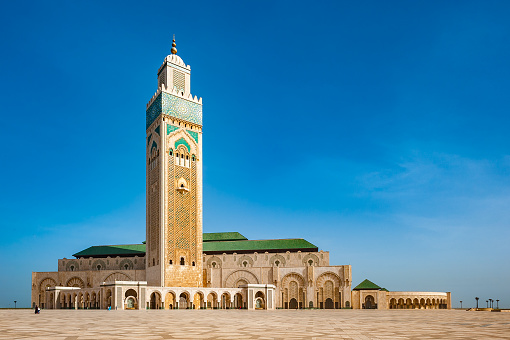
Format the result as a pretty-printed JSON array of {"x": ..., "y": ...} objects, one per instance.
[{"x": 174, "y": 179}]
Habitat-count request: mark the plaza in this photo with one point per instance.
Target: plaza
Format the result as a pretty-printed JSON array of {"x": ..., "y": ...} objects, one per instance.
[{"x": 247, "y": 324}]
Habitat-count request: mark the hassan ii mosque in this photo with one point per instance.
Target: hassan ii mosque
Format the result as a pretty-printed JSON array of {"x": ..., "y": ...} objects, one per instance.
[{"x": 179, "y": 266}]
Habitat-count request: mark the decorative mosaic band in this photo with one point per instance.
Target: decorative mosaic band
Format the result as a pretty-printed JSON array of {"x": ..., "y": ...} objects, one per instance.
[{"x": 173, "y": 106}]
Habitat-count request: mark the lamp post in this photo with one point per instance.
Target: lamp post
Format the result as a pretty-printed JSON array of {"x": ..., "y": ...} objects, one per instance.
[
  {"x": 487, "y": 303},
  {"x": 491, "y": 300},
  {"x": 497, "y": 304},
  {"x": 460, "y": 304},
  {"x": 476, "y": 298},
  {"x": 15, "y": 304}
]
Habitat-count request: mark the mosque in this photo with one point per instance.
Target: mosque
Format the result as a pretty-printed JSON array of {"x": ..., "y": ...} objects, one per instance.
[{"x": 179, "y": 266}]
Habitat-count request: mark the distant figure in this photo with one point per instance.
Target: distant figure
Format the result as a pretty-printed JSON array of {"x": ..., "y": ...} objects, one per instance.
[
  {"x": 109, "y": 307},
  {"x": 37, "y": 310}
]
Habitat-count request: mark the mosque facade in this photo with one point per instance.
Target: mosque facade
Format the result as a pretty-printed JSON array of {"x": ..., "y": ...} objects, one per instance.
[{"x": 179, "y": 266}]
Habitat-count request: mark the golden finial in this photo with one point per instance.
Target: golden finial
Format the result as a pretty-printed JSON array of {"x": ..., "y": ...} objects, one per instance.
[{"x": 174, "y": 49}]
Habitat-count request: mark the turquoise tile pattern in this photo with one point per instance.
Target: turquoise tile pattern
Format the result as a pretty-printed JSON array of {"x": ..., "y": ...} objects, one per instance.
[
  {"x": 173, "y": 106},
  {"x": 183, "y": 142},
  {"x": 193, "y": 134},
  {"x": 153, "y": 112},
  {"x": 170, "y": 129}
]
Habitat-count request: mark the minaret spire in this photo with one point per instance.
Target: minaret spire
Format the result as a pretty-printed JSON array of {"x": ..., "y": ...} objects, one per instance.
[{"x": 174, "y": 49}]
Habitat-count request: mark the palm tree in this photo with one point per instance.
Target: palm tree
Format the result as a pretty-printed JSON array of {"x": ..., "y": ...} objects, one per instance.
[{"x": 476, "y": 298}]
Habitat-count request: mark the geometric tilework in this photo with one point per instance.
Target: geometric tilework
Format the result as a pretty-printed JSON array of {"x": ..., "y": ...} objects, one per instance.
[
  {"x": 170, "y": 129},
  {"x": 157, "y": 130},
  {"x": 193, "y": 134},
  {"x": 153, "y": 112},
  {"x": 181, "y": 108},
  {"x": 183, "y": 142},
  {"x": 173, "y": 106},
  {"x": 149, "y": 139}
]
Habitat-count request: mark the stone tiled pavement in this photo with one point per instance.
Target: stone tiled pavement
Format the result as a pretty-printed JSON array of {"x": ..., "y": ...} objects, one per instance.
[{"x": 243, "y": 324}]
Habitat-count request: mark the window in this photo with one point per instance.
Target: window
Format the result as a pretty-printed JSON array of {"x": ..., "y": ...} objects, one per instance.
[
  {"x": 182, "y": 261},
  {"x": 170, "y": 262},
  {"x": 126, "y": 266},
  {"x": 214, "y": 264},
  {"x": 310, "y": 262},
  {"x": 72, "y": 268},
  {"x": 153, "y": 262},
  {"x": 171, "y": 152},
  {"x": 193, "y": 263},
  {"x": 98, "y": 267},
  {"x": 277, "y": 263},
  {"x": 245, "y": 263}
]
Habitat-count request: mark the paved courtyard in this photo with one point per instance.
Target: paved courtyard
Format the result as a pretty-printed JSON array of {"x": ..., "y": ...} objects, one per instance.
[{"x": 243, "y": 324}]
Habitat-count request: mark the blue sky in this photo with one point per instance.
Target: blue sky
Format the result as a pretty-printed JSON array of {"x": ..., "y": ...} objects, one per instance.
[{"x": 376, "y": 130}]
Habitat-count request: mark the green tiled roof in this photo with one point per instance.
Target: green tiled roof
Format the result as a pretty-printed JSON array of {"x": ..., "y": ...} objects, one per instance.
[
  {"x": 214, "y": 243},
  {"x": 367, "y": 284},
  {"x": 229, "y": 236},
  {"x": 247, "y": 246},
  {"x": 103, "y": 251}
]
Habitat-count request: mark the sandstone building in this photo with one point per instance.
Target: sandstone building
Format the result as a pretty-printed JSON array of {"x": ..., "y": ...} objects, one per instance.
[{"x": 179, "y": 266}]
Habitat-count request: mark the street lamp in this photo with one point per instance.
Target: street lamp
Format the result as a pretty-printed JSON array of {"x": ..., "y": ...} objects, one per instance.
[
  {"x": 491, "y": 300},
  {"x": 476, "y": 298},
  {"x": 497, "y": 304},
  {"x": 15, "y": 303},
  {"x": 487, "y": 303},
  {"x": 460, "y": 304}
]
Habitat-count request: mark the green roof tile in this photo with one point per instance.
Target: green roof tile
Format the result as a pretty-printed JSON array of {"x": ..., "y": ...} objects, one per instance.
[
  {"x": 367, "y": 285},
  {"x": 228, "y": 236},
  {"x": 248, "y": 246},
  {"x": 104, "y": 251},
  {"x": 214, "y": 243}
]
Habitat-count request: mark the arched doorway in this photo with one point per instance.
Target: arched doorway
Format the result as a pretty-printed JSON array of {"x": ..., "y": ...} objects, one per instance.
[
  {"x": 225, "y": 301},
  {"x": 370, "y": 302},
  {"x": 130, "y": 303},
  {"x": 260, "y": 301},
  {"x": 170, "y": 300},
  {"x": 155, "y": 300},
  {"x": 329, "y": 304},
  {"x": 198, "y": 300},
  {"x": 293, "y": 304},
  {"x": 212, "y": 300},
  {"x": 238, "y": 301},
  {"x": 183, "y": 301}
]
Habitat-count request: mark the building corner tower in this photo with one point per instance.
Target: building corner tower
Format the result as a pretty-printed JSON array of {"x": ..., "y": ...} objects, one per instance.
[{"x": 174, "y": 179}]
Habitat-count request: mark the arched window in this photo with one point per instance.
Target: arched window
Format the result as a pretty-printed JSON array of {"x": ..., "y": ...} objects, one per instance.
[
  {"x": 126, "y": 266},
  {"x": 72, "y": 268},
  {"x": 182, "y": 261},
  {"x": 171, "y": 152},
  {"x": 245, "y": 263},
  {"x": 310, "y": 262},
  {"x": 170, "y": 261},
  {"x": 98, "y": 267},
  {"x": 214, "y": 264},
  {"x": 153, "y": 262},
  {"x": 193, "y": 263}
]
